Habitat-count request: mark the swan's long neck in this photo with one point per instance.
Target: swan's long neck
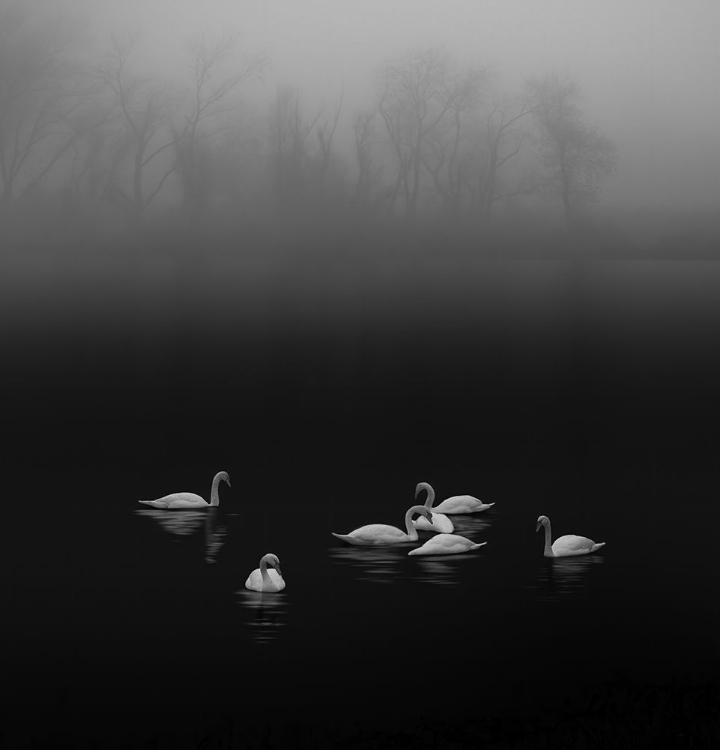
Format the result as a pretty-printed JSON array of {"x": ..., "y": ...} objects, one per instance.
[
  {"x": 410, "y": 529},
  {"x": 263, "y": 572},
  {"x": 548, "y": 540},
  {"x": 430, "y": 496},
  {"x": 214, "y": 494}
]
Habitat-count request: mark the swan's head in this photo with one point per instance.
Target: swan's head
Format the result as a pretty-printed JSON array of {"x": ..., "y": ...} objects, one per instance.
[
  {"x": 423, "y": 511},
  {"x": 422, "y": 486},
  {"x": 273, "y": 560},
  {"x": 542, "y": 521},
  {"x": 224, "y": 476}
]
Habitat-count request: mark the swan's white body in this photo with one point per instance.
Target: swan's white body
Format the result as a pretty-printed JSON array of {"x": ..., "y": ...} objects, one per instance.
[
  {"x": 183, "y": 500},
  {"x": 381, "y": 533},
  {"x": 446, "y": 544},
  {"x": 440, "y": 523},
  {"x": 568, "y": 545},
  {"x": 454, "y": 505},
  {"x": 264, "y": 580}
]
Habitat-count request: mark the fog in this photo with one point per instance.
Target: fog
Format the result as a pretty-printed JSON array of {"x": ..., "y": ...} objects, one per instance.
[
  {"x": 648, "y": 68},
  {"x": 335, "y": 248},
  {"x": 645, "y": 77}
]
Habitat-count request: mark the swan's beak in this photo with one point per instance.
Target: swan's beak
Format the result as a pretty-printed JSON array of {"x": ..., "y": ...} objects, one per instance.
[
  {"x": 429, "y": 516},
  {"x": 537, "y": 526},
  {"x": 277, "y": 568}
]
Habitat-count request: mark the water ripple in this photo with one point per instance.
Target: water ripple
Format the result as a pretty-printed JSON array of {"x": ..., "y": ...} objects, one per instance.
[
  {"x": 185, "y": 523},
  {"x": 269, "y": 612},
  {"x": 444, "y": 571},
  {"x": 376, "y": 564},
  {"x": 469, "y": 525},
  {"x": 564, "y": 576}
]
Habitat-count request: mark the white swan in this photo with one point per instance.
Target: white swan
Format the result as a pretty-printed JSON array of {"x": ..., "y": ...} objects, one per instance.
[
  {"x": 180, "y": 500},
  {"x": 440, "y": 523},
  {"x": 381, "y": 533},
  {"x": 567, "y": 545},
  {"x": 262, "y": 579},
  {"x": 455, "y": 504},
  {"x": 446, "y": 544}
]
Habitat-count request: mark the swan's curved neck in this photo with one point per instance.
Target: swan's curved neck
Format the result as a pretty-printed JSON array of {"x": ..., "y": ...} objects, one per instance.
[
  {"x": 263, "y": 571},
  {"x": 548, "y": 540},
  {"x": 409, "y": 528},
  {"x": 430, "y": 496},
  {"x": 214, "y": 494}
]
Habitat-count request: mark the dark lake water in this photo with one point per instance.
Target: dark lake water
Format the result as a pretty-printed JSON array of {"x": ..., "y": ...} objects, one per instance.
[{"x": 588, "y": 392}]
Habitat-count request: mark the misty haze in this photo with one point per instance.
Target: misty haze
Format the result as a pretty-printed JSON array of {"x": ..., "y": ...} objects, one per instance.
[
  {"x": 267, "y": 267},
  {"x": 496, "y": 126}
]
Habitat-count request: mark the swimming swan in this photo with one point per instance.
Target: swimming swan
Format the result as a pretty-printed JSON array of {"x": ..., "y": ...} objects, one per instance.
[
  {"x": 567, "y": 545},
  {"x": 455, "y": 504},
  {"x": 181, "y": 500},
  {"x": 381, "y": 533},
  {"x": 440, "y": 523},
  {"x": 262, "y": 579},
  {"x": 446, "y": 544}
]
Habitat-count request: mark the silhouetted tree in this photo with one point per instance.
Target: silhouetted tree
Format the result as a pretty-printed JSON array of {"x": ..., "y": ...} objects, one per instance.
[
  {"x": 575, "y": 155},
  {"x": 369, "y": 172},
  {"x": 501, "y": 141},
  {"x": 95, "y": 152},
  {"x": 444, "y": 157},
  {"x": 39, "y": 89},
  {"x": 144, "y": 111},
  {"x": 215, "y": 78},
  {"x": 412, "y": 101},
  {"x": 325, "y": 134},
  {"x": 288, "y": 135},
  {"x": 424, "y": 98}
]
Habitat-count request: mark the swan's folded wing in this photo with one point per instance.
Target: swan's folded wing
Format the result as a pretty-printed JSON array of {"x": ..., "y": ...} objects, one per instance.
[
  {"x": 374, "y": 530},
  {"x": 443, "y": 544},
  {"x": 573, "y": 543},
  {"x": 448, "y": 541}
]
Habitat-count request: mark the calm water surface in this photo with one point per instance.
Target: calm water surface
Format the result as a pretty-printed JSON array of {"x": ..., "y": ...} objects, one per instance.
[{"x": 590, "y": 399}]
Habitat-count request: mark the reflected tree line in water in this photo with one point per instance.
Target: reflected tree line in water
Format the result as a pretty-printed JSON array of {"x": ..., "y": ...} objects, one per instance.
[{"x": 91, "y": 141}]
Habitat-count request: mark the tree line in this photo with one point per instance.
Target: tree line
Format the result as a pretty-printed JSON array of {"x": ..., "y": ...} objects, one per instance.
[{"x": 97, "y": 137}]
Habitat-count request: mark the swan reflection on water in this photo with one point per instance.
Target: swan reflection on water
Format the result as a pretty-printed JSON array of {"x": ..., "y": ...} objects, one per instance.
[
  {"x": 389, "y": 564},
  {"x": 269, "y": 611},
  {"x": 444, "y": 571},
  {"x": 189, "y": 522},
  {"x": 471, "y": 525},
  {"x": 564, "y": 576},
  {"x": 377, "y": 564}
]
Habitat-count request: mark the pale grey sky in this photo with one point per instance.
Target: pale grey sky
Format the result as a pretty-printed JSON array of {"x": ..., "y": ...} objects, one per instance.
[{"x": 649, "y": 68}]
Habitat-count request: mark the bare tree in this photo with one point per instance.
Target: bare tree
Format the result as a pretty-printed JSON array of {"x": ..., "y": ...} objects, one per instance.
[
  {"x": 214, "y": 81},
  {"x": 503, "y": 140},
  {"x": 413, "y": 99},
  {"x": 325, "y": 134},
  {"x": 369, "y": 173},
  {"x": 444, "y": 157},
  {"x": 576, "y": 156},
  {"x": 144, "y": 112},
  {"x": 288, "y": 135},
  {"x": 39, "y": 89},
  {"x": 93, "y": 159}
]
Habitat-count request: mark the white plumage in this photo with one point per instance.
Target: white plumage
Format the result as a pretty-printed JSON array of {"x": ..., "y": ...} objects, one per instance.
[
  {"x": 183, "y": 500},
  {"x": 381, "y": 533},
  {"x": 440, "y": 523},
  {"x": 453, "y": 505},
  {"x": 446, "y": 544},
  {"x": 264, "y": 580},
  {"x": 565, "y": 546}
]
